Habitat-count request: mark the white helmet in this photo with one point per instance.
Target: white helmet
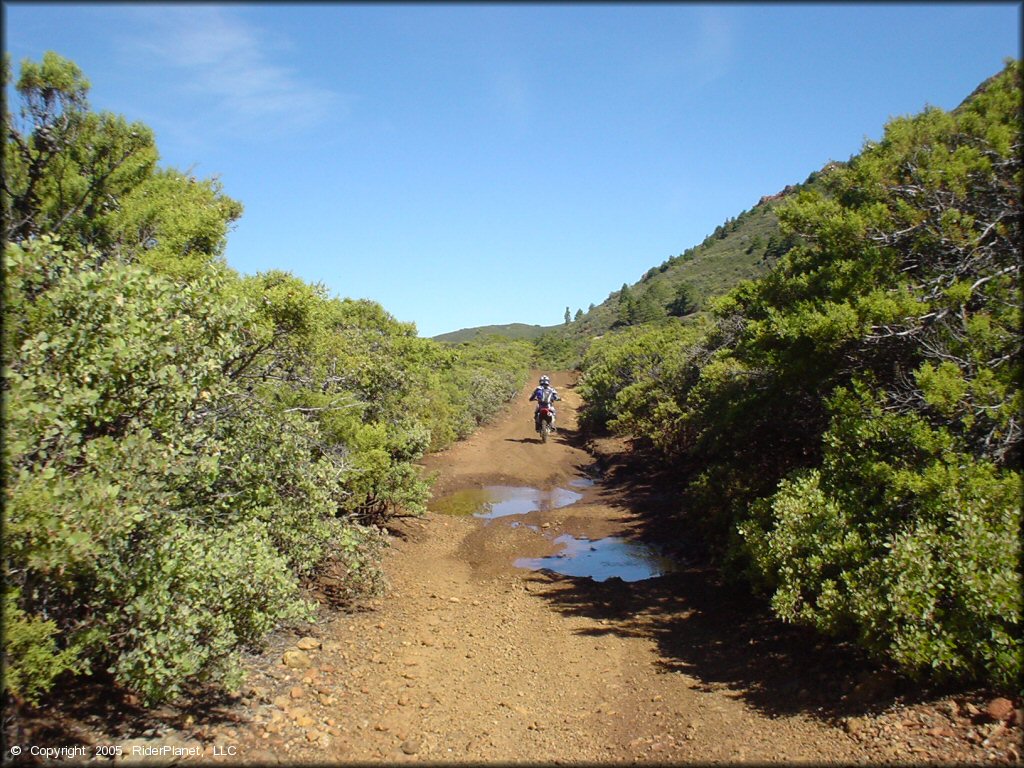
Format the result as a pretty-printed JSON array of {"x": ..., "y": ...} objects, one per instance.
[{"x": 544, "y": 381}]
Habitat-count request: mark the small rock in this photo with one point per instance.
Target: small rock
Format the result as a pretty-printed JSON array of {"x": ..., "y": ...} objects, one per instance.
[
  {"x": 999, "y": 709},
  {"x": 296, "y": 692},
  {"x": 296, "y": 660},
  {"x": 308, "y": 644},
  {"x": 410, "y": 746},
  {"x": 854, "y": 725}
]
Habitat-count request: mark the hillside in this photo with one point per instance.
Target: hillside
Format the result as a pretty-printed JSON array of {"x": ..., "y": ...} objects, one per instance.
[
  {"x": 741, "y": 248},
  {"x": 510, "y": 330}
]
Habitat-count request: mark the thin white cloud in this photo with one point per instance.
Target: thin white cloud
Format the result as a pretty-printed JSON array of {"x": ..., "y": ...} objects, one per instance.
[
  {"x": 215, "y": 55},
  {"x": 714, "y": 51}
]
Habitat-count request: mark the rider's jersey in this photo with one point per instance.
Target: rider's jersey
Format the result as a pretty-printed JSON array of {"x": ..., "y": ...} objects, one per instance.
[{"x": 546, "y": 395}]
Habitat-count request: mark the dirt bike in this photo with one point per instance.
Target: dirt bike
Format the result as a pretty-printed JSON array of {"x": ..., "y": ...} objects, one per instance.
[{"x": 545, "y": 421}]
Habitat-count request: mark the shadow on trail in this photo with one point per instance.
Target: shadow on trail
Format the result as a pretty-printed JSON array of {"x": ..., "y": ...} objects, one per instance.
[
  {"x": 567, "y": 436},
  {"x": 716, "y": 633},
  {"x": 720, "y": 639}
]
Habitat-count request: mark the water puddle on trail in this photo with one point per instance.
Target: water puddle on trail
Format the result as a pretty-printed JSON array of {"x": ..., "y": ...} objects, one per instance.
[
  {"x": 601, "y": 560},
  {"x": 494, "y": 501}
]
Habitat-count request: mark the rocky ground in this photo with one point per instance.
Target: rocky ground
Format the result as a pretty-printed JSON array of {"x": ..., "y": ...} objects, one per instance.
[{"x": 471, "y": 659}]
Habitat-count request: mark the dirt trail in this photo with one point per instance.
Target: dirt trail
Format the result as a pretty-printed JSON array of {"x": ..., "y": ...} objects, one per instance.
[{"x": 472, "y": 659}]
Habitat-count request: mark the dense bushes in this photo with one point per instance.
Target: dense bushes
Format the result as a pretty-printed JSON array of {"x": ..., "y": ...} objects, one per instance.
[
  {"x": 479, "y": 378},
  {"x": 185, "y": 447},
  {"x": 898, "y": 541},
  {"x": 847, "y": 428},
  {"x": 154, "y": 515}
]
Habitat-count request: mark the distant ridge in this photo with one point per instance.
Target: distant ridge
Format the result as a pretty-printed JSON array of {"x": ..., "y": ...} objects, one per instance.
[{"x": 511, "y": 331}]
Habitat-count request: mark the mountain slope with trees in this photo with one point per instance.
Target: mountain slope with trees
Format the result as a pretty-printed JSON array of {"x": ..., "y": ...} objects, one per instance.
[
  {"x": 509, "y": 331},
  {"x": 743, "y": 247}
]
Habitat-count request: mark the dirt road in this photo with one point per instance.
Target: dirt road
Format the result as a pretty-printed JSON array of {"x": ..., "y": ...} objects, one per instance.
[{"x": 473, "y": 659}]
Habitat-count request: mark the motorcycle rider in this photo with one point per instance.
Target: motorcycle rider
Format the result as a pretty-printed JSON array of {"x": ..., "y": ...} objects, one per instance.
[{"x": 544, "y": 394}]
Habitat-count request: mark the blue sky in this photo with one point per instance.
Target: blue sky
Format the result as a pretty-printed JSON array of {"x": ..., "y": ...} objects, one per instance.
[{"x": 468, "y": 165}]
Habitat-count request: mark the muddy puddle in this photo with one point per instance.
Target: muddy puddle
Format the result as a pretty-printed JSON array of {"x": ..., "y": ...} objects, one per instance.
[
  {"x": 493, "y": 501},
  {"x": 598, "y": 559}
]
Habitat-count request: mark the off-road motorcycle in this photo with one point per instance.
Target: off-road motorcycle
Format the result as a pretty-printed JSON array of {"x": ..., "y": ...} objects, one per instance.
[{"x": 545, "y": 421}]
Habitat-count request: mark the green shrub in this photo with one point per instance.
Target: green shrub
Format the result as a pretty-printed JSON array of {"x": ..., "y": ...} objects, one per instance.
[
  {"x": 32, "y": 660},
  {"x": 159, "y": 518},
  {"x": 902, "y": 541}
]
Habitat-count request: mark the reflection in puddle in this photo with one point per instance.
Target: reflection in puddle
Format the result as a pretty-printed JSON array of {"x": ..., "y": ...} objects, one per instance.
[
  {"x": 601, "y": 560},
  {"x": 494, "y": 501},
  {"x": 582, "y": 482}
]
